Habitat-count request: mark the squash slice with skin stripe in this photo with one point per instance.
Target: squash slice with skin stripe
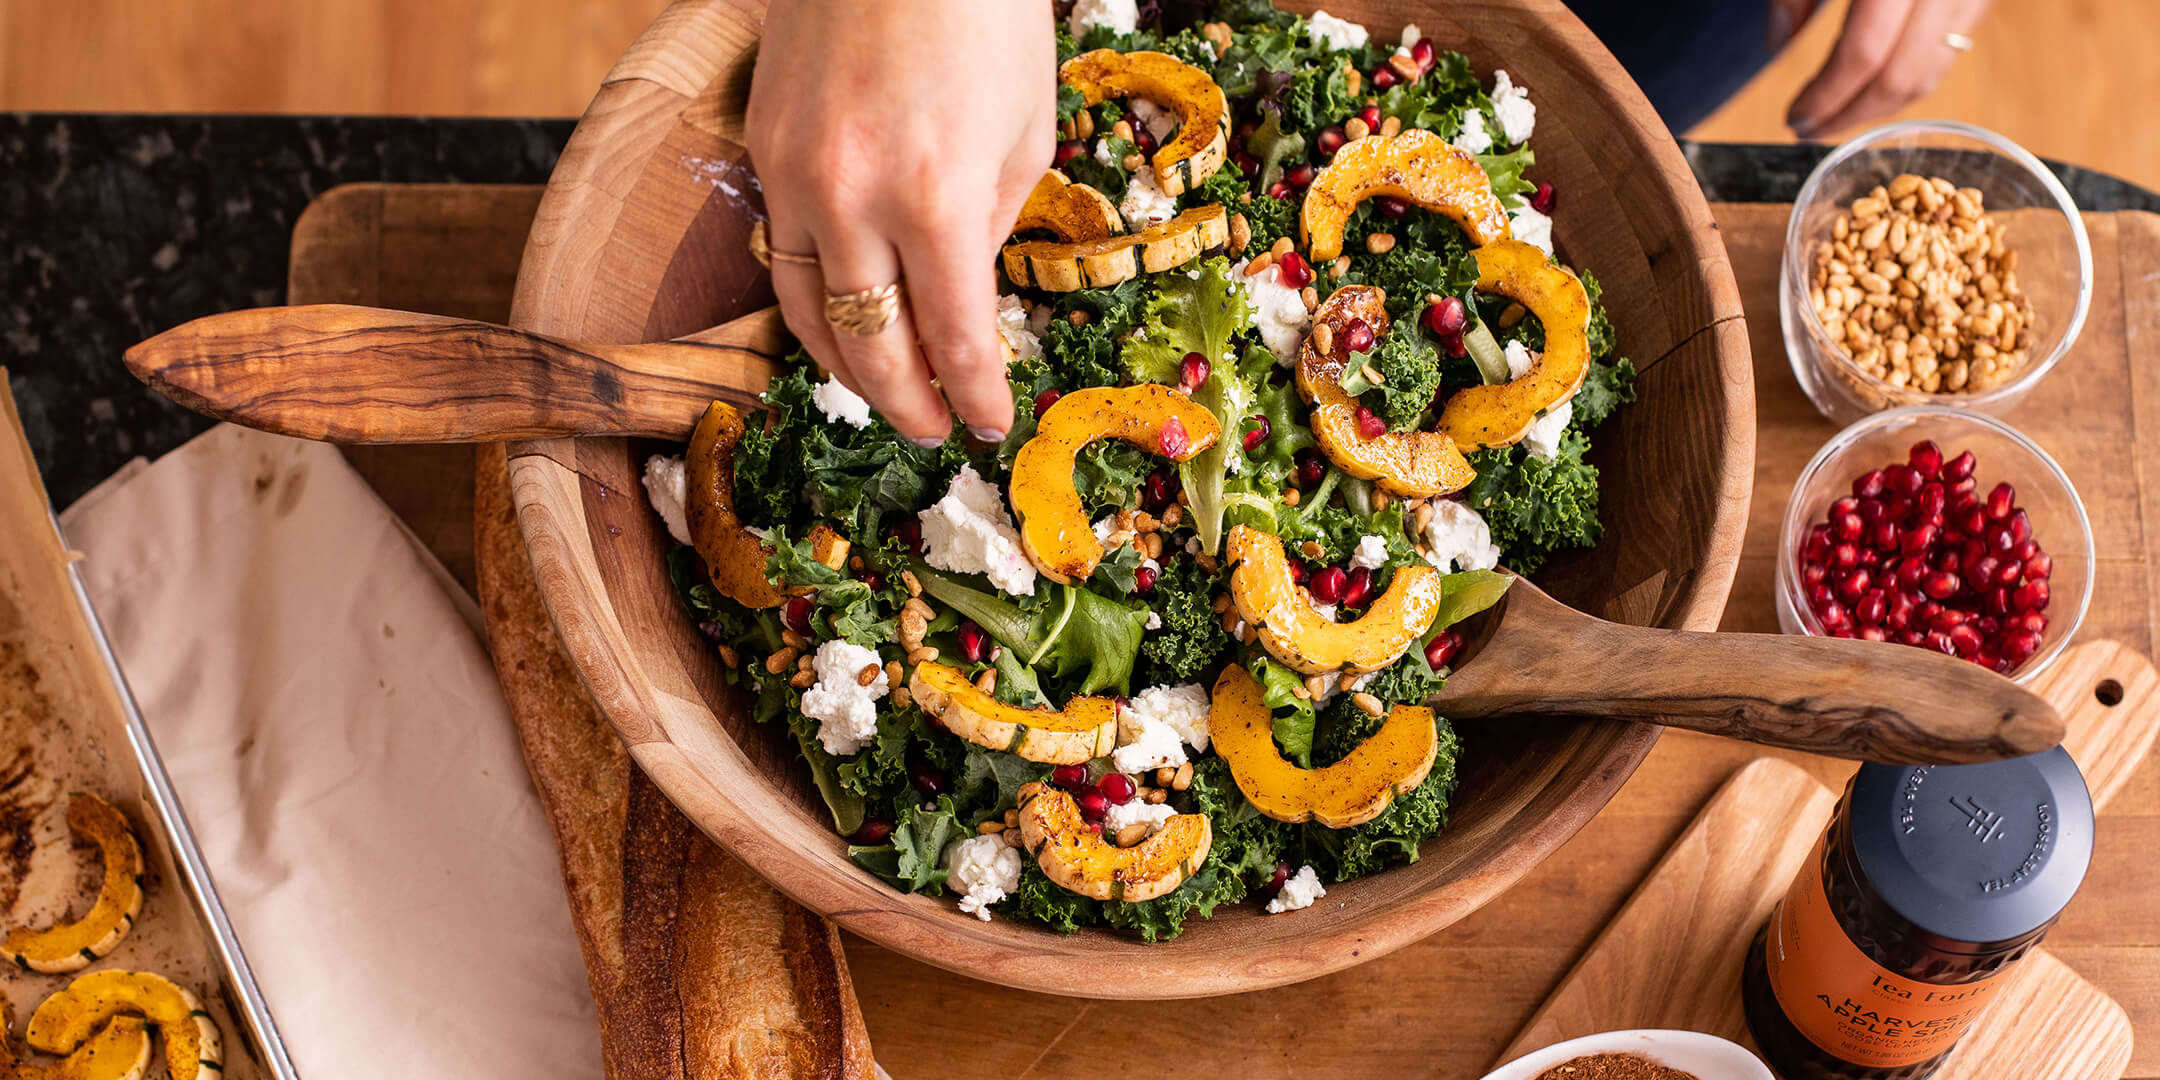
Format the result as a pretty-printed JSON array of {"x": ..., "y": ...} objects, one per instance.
[
  {"x": 1203, "y": 138},
  {"x": 1085, "y": 728},
  {"x": 1417, "y": 166},
  {"x": 1392, "y": 761},
  {"x": 73, "y": 946},
  {"x": 119, "y": 1051},
  {"x": 1296, "y": 634},
  {"x": 1499, "y": 415},
  {"x": 1413, "y": 464},
  {"x": 66, "y": 1020},
  {"x": 1054, "y": 529},
  {"x": 734, "y": 556},
  {"x": 1062, "y": 266},
  {"x": 1076, "y": 857},
  {"x": 1073, "y": 212}
]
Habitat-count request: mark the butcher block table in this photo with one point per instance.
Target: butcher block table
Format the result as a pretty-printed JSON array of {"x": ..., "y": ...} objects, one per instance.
[{"x": 1446, "y": 1006}]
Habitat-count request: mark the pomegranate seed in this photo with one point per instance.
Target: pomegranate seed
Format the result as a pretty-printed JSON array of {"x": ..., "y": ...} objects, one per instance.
[
  {"x": 1116, "y": 788},
  {"x": 2031, "y": 596},
  {"x": 1143, "y": 579},
  {"x": 1311, "y": 469},
  {"x": 1357, "y": 336},
  {"x": 909, "y": 530},
  {"x": 1929, "y": 503},
  {"x": 1817, "y": 546},
  {"x": 927, "y": 779},
  {"x": 1330, "y": 140},
  {"x": 1904, "y": 480},
  {"x": 1998, "y": 600},
  {"x": 1945, "y": 618},
  {"x": 1068, "y": 150},
  {"x": 1369, "y": 424},
  {"x": 1998, "y": 538},
  {"x": 1371, "y": 115},
  {"x": 1846, "y": 526},
  {"x": 1942, "y": 585},
  {"x": 1299, "y": 571},
  {"x": 2020, "y": 527},
  {"x": 2039, "y": 566},
  {"x": 1441, "y": 650},
  {"x": 874, "y": 831},
  {"x": 1872, "y": 511},
  {"x": 1974, "y": 522},
  {"x": 1389, "y": 205},
  {"x": 1920, "y": 539},
  {"x": 1960, "y": 487},
  {"x": 1926, "y": 458},
  {"x": 2030, "y": 620},
  {"x": 1834, "y": 618},
  {"x": 1421, "y": 51},
  {"x": 872, "y": 578},
  {"x": 797, "y": 614},
  {"x": 1455, "y": 346},
  {"x": 2025, "y": 549},
  {"x": 1384, "y": 77},
  {"x": 1939, "y": 640},
  {"x": 1959, "y": 467},
  {"x": 974, "y": 644},
  {"x": 1871, "y": 607},
  {"x": 1870, "y": 557},
  {"x": 1980, "y": 573},
  {"x": 1542, "y": 199},
  {"x": 1886, "y": 535},
  {"x": 1899, "y": 611},
  {"x": 1911, "y": 570},
  {"x": 1845, "y": 556},
  {"x": 1092, "y": 805},
  {"x": 2000, "y": 501},
  {"x": 1278, "y": 190},
  {"x": 1047, "y": 398},
  {"x": 1298, "y": 176},
  {"x": 1357, "y": 587},
  {"x": 1854, "y": 585},
  {"x": 1259, "y": 432},
  {"x": 1868, "y": 485},
  {"x": 1156, "y": 493},
  {"x": 1898, "y": 508},
  {"x": 1248, "y": 165},
  {"x": 1144, "y": 139},
  {"x": 1327, "y": 585},
  {"x": 1275, "y": 880},
  {"x": 1965, "y": 640},
  {"x": 1843, "y": 505},
  {"x": 1172, "y": 438},
  {"x": 2017, "y": 646},
  {"x": 1874, "y": 633},
  {"x": 1069, "y": 777},
  {"x": 1447, "y": 317},
  {"x": 2009, "y": 573},
  {"x": 1293, "y": 270},
  {"x": 1813, "y": 574}
]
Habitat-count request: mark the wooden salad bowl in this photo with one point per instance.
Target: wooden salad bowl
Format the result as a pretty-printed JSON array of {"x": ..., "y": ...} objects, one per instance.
[{"x": 640, "y": 237}]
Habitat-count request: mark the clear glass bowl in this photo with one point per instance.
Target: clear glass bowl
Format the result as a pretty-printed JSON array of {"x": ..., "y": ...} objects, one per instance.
[
  {"x": 2054, "y": 265},
  {"x": 2043, "y": 491}
]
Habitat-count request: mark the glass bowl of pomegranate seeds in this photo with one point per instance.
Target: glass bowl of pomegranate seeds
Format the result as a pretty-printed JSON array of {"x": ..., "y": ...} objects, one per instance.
[
  {"x": 1941, "y": 528},
  {"x": 1930, "y": 262}
]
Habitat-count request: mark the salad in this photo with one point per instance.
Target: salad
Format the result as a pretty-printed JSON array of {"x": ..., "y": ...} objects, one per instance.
[{"x": 1296, "y": 371}]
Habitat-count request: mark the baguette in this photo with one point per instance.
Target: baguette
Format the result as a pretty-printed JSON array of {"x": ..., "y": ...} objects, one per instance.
[{"x": 699, "y": 968}]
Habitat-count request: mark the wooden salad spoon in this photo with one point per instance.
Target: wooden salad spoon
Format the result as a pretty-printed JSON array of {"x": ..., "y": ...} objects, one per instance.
[{"x": 368, "y": 375}]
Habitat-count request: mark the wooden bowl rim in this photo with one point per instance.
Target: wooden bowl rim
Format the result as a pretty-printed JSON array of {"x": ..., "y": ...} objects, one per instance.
[{"x": 662, "y": 75}]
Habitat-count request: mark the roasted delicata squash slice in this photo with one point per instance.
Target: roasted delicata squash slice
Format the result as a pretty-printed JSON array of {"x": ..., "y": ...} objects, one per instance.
[
  {"x": 1415, "y": 165},
  {"x": 119, "y": 1051},
  {"x": 67, "y": 1019},
  {"x": 1203, "y": 137},
  {"x": 734, "y": 556},
  {"x": 1062, "y": 266},
  {"x": 75, "y": 945},
  {"x": 1296, "y": 634},
  {"x": 1413, "y": 464},
  {"x": 1054, "y": 529},
  {"x": 1498, "y": 415},
  {"x": 1353, "y": 791},
  {"x": 1072, "y": 212},
  {"x": 1085, "y": 728},
  {"x": 1075, "y": 855}
]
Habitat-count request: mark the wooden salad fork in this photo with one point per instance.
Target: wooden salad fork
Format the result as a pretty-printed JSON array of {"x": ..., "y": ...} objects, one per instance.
[{"x": 346, "y": 374}]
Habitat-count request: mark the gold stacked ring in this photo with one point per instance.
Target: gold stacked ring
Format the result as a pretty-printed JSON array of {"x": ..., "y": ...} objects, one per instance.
[
  {"x": 762, "y": 250},
  {"x": 864, "y": 312},
  {"x": 1958, "y": 41}
]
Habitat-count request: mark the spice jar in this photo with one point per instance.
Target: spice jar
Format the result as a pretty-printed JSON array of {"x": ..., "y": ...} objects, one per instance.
[{"x": 1931, "y": 882}]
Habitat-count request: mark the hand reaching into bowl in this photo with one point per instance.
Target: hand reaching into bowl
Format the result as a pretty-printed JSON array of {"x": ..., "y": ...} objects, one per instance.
[
  {"x": 895, "y": 143},
  {"x": 1889, "y": 54}
]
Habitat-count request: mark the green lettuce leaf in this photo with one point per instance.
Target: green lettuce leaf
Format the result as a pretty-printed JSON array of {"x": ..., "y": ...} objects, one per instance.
[{"x": 910, "y": 861}]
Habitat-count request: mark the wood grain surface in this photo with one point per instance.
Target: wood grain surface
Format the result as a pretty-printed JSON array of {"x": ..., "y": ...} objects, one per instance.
[
  {"x": 1485, "y": 975},
  {"x": 1648, "y": 968}
]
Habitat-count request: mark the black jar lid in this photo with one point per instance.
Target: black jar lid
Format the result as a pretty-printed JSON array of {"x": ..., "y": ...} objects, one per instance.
[{"x": 1974, "y": 853}]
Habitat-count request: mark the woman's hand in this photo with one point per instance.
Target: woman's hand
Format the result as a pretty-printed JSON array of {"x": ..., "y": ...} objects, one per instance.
[
  {"x": 896, "y": 141},
  {"x": 1890, "y": 54}
]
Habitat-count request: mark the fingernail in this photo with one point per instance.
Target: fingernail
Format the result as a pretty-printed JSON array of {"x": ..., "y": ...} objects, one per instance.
[
  {"x": 987, "y": 434},
  {"x": 928, "y": 442}
]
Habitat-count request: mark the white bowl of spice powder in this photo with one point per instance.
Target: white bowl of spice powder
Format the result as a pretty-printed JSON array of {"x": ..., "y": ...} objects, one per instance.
[
  {"x": 1645, "y": 1054},
  {"x": 1930, "y": 262}
]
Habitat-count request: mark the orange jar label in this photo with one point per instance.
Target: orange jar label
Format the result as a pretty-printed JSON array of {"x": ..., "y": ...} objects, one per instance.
[{"x": 1847, "y": 1004}]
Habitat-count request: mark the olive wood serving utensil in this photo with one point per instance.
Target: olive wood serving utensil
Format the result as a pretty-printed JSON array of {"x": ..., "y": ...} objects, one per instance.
[
  {"x": 345, "y": 374},
  {"x": 369, "y": 375},
  {"x": 1842, "y": 698}
]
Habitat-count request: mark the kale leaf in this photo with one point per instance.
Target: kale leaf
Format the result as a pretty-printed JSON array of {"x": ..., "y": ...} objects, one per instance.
[
  {"x": 1536, "y": 506},
  {"x": 1409, "y": 369},
  {"x": 1191, "y": 637},
  {"x": 909, "y": 862}
]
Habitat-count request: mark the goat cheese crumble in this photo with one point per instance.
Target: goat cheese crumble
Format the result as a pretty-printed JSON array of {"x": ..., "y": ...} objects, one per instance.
[
  {"x": 667, "y": 488},
  {"x": 1474, "y": 138},
  {"x": 1015, "y": 325},
  {"x": 1278, "y": 311},
  {"x": 1511, "y": 106},
  {"x": 1135, "y": 812},
  {"x": 969, "y": 531},
  {"x": 984, "y": 870},
  {"x": 840, "y": 404},
  {"x": 1298, "y": 891},
  {"x": 1145, "y": 203},
  {"x": 1371, "y": 553},
  {"x": 1526, "y": 224},
  {"x": 1120, "y": 16},
  {"x": 1158, "y": 121},
  {"x": 1335, "y": 33},
  {"x": 845, "y": 709},
  {"x": 1543, "y": 438},
  {"x": 1157, "y": 724},
  {"x": 1457, "y": 538}
]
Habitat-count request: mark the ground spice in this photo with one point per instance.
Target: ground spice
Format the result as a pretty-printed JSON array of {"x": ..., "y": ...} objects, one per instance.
[{"x": 1613, "y": 1067}]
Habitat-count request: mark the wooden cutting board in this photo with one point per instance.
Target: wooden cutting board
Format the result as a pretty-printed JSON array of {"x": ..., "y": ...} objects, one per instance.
[
  {"x": 1672, "y": 957},
  {"x": 452, "y": 250}
]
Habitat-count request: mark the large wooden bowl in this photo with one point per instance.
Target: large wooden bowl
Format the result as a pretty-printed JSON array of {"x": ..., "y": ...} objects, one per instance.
[{"x": 640, "y": 237}]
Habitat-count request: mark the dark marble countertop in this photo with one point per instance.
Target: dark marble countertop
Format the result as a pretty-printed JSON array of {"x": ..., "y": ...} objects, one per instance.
[{"x": 114, "y": 227}]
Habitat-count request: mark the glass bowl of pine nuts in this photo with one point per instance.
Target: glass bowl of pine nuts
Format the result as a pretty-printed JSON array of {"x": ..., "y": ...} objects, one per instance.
[{"x": 1930, "y": 263}]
